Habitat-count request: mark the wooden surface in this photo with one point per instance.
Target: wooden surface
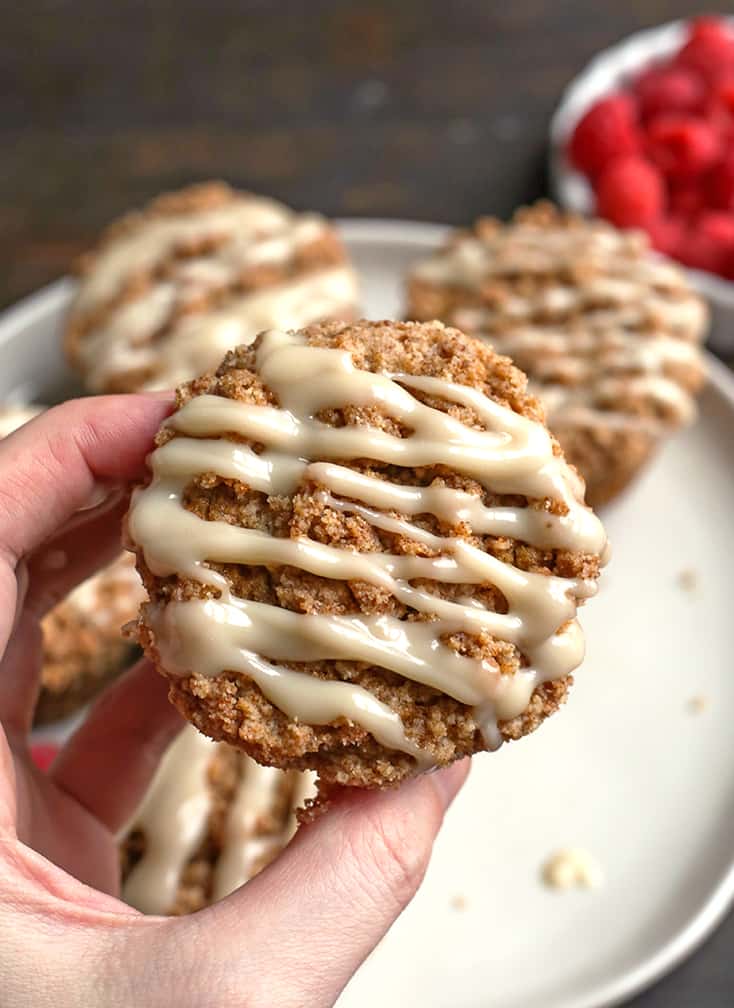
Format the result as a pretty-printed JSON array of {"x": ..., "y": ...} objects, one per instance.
[{"x": 435, "y": 110}]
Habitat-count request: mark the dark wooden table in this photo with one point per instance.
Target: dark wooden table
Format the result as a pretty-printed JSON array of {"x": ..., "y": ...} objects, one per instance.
[{"x": 435, "y": 110}]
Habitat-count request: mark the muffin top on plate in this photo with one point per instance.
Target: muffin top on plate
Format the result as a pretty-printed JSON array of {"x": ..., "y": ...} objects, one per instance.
[
  {"x": 608, "y": 333},
  {"x": 170, "y": 289}
]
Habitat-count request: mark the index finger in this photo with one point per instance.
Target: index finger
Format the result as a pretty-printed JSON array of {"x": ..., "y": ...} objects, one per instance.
[{"x": 50, "y": 468}]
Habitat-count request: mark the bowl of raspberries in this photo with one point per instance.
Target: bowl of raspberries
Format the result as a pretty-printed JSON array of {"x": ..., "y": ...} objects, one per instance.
[{"x": 644, "y": 137}]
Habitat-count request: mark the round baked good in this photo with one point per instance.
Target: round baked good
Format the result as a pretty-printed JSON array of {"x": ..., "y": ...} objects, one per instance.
[
  {"x": 211, "y": 820},
  {"x": 170, "y": 289},
  {"x": 364, "y": 551},
  {"x": 83, "y": 648},
  {"x": 608, "y": 333}
]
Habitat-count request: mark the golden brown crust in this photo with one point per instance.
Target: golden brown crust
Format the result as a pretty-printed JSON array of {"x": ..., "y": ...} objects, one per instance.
[
  {"x": 610, "y": 458},
  {"x": 518, "y": 296},
  {"x": 230, "y": 707}
]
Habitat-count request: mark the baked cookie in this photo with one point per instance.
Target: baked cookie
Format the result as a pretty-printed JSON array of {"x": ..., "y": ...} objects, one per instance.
[
  {"x": 211, "y": 820},
  {"x": 170, "y": 289},
  {"x": 608, "y": 334},
  {"x": 364, "y": 551},
  {"x": 83, "y": 648}
]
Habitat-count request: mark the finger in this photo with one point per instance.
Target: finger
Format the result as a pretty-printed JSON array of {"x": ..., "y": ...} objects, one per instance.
[
  {"x": 346, "y": 878},
  {"x": 18, "y": 693},
  {"x": 110, "y": 760},
  {"x": 52, "y": 467},
  {"x": 20, "y": 675},
  {"x": 92, "y": 540},
  {"x": 13, "y": 592},
  {"x": 8, "y": 798}
]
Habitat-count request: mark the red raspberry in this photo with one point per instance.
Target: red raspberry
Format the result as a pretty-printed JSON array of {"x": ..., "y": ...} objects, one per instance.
[
  {"x": 719, "y": 227},
  {"x": 669, "y": 89},
  {"x": 723, "y": 90},
  {"x": 667, "y": 235},
  {"x": 721, "y": 184},
  {"x": 710, "y": 28},
  {"x": 697, "y": 252},
  {"x": 608, "y": 130},
  {"x": 721, "y": 120},
  {"x": 721, "y": 98},
  {"x": 682, "y": 146},
  {"x": 630, "y": 192},
  {"x": 43, "y": 755},
  {"x": 687, "y": 198},
  {"x": 709, "y": 48},
  {"x": 709, "y": 244}
]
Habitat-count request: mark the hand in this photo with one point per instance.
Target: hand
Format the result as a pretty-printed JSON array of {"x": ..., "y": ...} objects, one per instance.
[{"x": 294, "y": 935}]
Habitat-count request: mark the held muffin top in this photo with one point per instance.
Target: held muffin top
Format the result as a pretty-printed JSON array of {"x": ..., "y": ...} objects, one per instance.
[
  {"x": 364, "y": 551},
  {"x": 608, "y": 334},
  {"x": 170, "y": 289}
]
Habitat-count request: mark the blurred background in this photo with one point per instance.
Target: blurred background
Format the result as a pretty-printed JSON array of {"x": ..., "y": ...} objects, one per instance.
[{"x": 432, "y": 111}]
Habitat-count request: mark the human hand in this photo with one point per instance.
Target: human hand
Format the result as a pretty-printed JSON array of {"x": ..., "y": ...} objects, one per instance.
[{"x": 295, "y": 934}]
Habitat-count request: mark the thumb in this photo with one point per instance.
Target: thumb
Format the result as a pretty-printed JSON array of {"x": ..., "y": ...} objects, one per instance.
[{"x": 296, "y": 933}]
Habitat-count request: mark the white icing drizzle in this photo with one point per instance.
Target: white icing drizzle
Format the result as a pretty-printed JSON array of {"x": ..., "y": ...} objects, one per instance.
[
  {"x": 197, "y": 342},
  {"x": 304, "y": 789},
  {"x": 248, "y": 842},
  {"x": 513, "y": 455},
  {"x": 174, "y": 814},
  {"x": 603, "y": 322},
  {"x": 173, "y": 817},
  {"x": 234, "y": 224},
  {"x": 248, "y": 232},
  {"x": 580, "y": 370},
  {"x": 607, "y": 265}
]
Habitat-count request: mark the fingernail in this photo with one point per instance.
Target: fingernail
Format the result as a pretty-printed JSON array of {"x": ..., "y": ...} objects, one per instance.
[{"x": 449, "y": 780}]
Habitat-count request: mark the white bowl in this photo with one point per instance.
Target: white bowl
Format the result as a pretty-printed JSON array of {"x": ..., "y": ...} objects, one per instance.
[{"x": 609, "y": 70}]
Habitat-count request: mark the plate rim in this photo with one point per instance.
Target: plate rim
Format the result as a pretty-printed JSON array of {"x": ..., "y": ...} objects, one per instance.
[{"x": 54, "y": 297}]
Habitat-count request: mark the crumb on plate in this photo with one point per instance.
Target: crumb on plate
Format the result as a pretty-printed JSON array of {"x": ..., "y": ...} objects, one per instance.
[{"x": 571, "y": 868}]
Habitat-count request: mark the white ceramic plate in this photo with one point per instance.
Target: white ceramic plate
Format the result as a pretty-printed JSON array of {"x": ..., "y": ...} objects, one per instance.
[
  {"x": 606, "y": 72},
  {"x": 626, "y": 770}
]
